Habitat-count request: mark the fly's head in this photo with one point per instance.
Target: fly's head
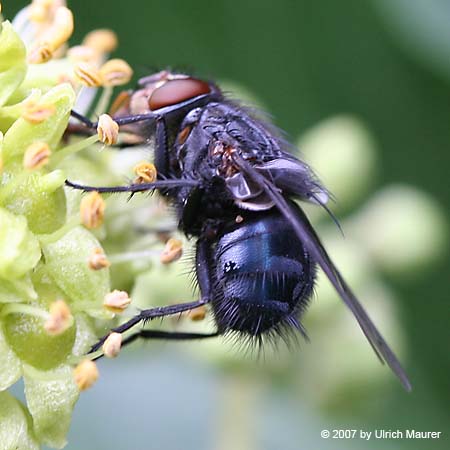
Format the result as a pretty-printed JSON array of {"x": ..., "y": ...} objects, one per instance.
[{"x": 160, "y": 91}]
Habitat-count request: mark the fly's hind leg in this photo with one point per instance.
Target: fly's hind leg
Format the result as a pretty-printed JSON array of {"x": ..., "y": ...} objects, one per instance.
[
  {"x": 204, "y": 280},
  {"x": 165, "y": 335},
  {"x": 150, "y": 314}
]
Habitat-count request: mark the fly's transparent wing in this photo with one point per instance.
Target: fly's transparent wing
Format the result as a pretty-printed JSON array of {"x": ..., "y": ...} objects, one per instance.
[{"x": 306, "y": 233}]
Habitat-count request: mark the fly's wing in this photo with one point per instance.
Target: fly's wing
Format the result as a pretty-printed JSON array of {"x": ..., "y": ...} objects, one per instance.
[
  {"x": 287, "y": 173},
  {"x": 312, "y": 243},
  {"x": 294, "y": 177}
]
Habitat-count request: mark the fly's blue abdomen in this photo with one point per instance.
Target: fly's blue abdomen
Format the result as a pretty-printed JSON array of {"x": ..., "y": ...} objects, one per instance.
[{"x": 263, "y": 276}]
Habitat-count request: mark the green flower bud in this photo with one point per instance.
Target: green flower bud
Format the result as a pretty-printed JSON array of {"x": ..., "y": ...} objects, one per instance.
[
  {"x": 51, "y": 397},
  {"x": 12, "y": 61},
  {"x": 19, "y": 248},
  {"x": 17, "y": 291},
  {"x": 24, "y": 330},
  {"x": 48, "y": 304},
  {"x": 45, "y": 76},
  {"x": 45, "y": 204},
  {"x": 10, "y": 365},
  {"x": 403, "y": 229},
  {"x": 59, "y": 102},
  {"x": 342, "y": 153},
  {"x": 16, "y": 426},
  {"x": 26, "y": 335},
  {"x": 67, "y": 264}
]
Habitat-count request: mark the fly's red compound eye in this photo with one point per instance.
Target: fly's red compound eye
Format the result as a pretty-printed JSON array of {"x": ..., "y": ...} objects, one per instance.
[{"x": 176, "y": 91}]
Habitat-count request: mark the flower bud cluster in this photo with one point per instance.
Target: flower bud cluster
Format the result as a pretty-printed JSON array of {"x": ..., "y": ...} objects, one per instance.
[{"x": 55, "y": 286}]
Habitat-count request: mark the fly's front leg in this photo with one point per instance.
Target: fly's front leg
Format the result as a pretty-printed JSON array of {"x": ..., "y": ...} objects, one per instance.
[
  {"x": 163, "y": 112},
  {"x": 161, "y": 149},
  {"x": 125, "y": 120},
  {"x": 84, "y": 120},
  {"x": 161, "y": 160}
]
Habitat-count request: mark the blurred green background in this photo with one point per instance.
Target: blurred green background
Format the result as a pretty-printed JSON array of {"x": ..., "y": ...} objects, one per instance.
[{"x": 386, "y": 63}]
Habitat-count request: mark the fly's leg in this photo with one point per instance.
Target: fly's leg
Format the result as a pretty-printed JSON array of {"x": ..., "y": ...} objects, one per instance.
[
  {"x": 150, "y": 314},
  {"x": 161, "y": 163},
  {"x": 167, "y": 335},
  {"x": 125, "y": 120},
  {"x": 161, "y": 132},
  {"x": 204, "y": 281},
  {"x": 164, "y": 335},
  {"x": 161, "y": 150},
  {"x": 150, "y": 116},
  {"x": 141, "y": 187}
]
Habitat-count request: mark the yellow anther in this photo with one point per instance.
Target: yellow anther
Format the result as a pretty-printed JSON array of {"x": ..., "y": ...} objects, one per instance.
[
  {"x": 60, "y": 318},
  {"x": 197, "y": 314},
  {"x": 88, "y": 75},
  {"x": 172, "y": 251},
  {"x": 111, "y": 347},
  {"x": 38, "y": 112},
  {"x": 98, "y": 260},
  {"x": 102, "y": 41},
  {"x": 85, "y": 374},
  {"x": 116, "y": 301},
  {"x": 145, "y": 172},
  {"x": 116, "y": 72},
  {"x": 82, "y": 53},
  {"x": 41, "y": 53},
  {"x": 92, "y": 210},
  {"x": 107, "y": 130},
  {"x": 36, "y": 156}
]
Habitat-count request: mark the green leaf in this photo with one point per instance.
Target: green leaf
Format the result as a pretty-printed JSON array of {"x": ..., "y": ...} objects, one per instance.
[
  {"x": 10, "y": 366},
  {"x": 12, "y": 61},
  {"x": 51, "y": 397},
  {"x": 19, "y": 248},
  {"x": 23, "y": 133},
  {"x": 15, "y": 425},
  {"x": 67, "y": 263},
  {"x": 343, "y": 154}
]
